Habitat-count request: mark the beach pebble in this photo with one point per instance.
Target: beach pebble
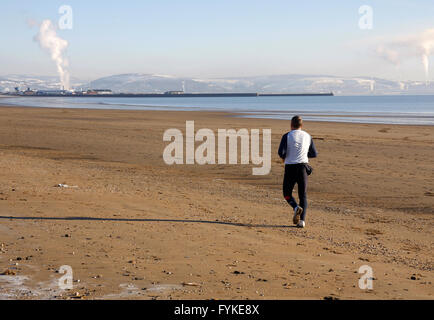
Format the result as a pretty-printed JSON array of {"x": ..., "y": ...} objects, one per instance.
[
  {"x": 192, "y": 284},
  {"x": 8, "y": 272},
  {"x": 330, "y": 298}
]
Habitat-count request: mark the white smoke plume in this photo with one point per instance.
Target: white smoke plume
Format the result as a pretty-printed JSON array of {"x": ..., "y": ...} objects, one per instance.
[
  {"x": 389, "y": 54},
  {"x": 427, "y": 45},
  {"x": 419, "y": 45},
  {"x": 56, "y": 46}
]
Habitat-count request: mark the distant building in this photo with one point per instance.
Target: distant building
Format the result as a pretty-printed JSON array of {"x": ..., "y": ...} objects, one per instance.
[
  {"x": 174, "y": 92},
  {"x": 94, "y": 92},
  {"x": 29, "y": 92},
  {"x": 50, "y": 92}
]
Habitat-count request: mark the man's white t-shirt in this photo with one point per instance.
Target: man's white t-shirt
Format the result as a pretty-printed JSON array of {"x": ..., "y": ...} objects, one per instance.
[{"x": 298, "y": 143}]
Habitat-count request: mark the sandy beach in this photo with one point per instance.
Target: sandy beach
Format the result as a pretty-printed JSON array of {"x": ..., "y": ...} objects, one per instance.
[{"x": 132, "y": 227}]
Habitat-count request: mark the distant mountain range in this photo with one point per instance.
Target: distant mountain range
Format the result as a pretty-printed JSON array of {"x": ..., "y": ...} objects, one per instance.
[{"x": 291, "y": 83}]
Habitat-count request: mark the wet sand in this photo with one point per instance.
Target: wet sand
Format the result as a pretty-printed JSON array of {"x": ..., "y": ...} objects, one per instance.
[{"x": 136, "y": 228}]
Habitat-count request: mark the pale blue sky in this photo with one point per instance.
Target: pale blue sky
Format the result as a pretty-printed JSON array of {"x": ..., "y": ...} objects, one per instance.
[{"x": 214, "y": 38}]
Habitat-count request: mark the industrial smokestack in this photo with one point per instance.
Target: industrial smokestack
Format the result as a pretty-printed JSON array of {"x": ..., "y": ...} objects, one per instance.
[
  {"x": 404, "y": 47},
  {"x": 56, "y": 46},
  {"x": 427, "y": 45}
]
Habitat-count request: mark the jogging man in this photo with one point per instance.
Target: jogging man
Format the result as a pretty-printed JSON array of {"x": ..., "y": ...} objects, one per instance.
[{"x": 295, "y": 148}]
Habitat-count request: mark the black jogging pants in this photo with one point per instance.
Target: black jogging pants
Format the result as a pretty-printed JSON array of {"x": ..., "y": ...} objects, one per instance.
[{"x": 296, "y": 174}]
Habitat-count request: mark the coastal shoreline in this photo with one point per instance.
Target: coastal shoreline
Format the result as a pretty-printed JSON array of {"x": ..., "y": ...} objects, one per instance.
[{"x": 311, "y": 116}]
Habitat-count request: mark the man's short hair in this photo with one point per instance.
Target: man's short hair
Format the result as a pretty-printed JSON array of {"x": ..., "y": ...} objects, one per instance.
[{"x": 296, "y": 122}]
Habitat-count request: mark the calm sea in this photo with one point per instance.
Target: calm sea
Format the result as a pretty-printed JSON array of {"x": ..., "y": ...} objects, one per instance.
[{"x": 414, "y": 110}]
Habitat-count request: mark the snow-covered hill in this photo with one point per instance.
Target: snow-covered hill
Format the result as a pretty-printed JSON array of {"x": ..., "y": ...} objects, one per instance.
[
  {"x": 293, "y": 83},
  {"x": 22, "y": 81}
]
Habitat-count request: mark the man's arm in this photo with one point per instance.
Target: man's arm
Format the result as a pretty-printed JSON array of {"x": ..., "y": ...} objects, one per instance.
[
  {"x": 283, "y": 146},
  {"x": 312, "y": 153}
]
